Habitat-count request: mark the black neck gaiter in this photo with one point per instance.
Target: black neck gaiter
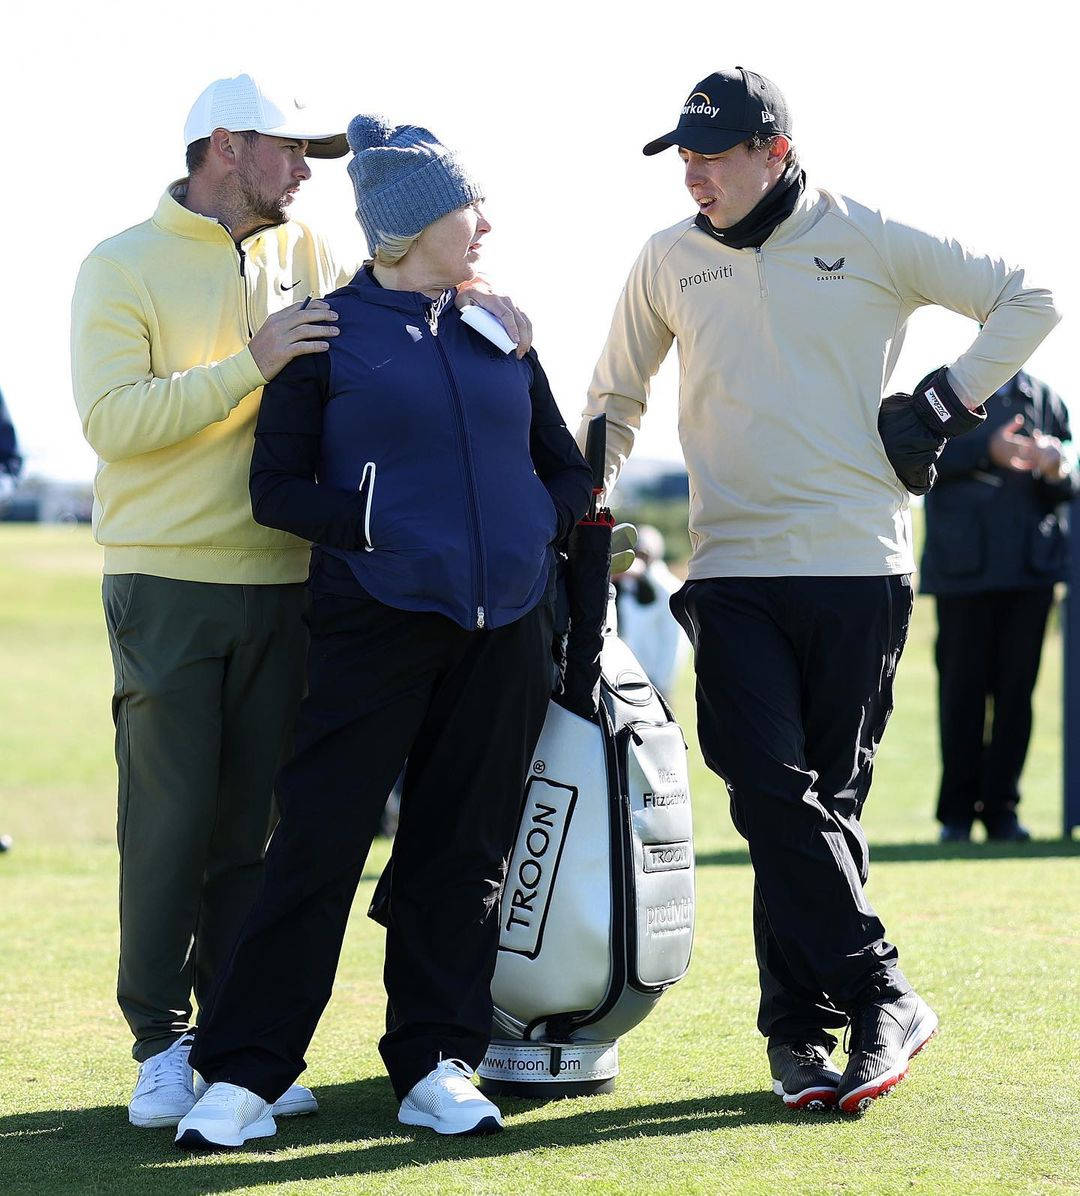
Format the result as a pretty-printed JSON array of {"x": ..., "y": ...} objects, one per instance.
[{"x": 755, "y": 228}]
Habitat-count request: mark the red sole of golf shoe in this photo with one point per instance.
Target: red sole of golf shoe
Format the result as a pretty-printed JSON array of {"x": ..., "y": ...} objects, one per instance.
[{"x": 861, "y": 1099}]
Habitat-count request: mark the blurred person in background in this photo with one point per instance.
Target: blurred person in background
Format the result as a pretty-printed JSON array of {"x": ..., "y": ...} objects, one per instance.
[
  {"x": 434, "y": 475},
  {"x": 789, "y": 305},
  {"x": 644, "y": 614},
  {"x": 996, "y": 544},
  {"x": 177, "y": 324},
  {"x": 11, "y": 461},
  {"x": 10, "y": 468}
]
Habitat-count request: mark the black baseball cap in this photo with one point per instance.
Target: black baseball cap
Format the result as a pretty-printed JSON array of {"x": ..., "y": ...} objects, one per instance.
[{"x": 724, "y": 109}]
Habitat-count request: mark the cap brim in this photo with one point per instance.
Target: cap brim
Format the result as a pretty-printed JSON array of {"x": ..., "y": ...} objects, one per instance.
[
  {"x": 335, "y": 145},
  {"x": 320, "y": 144},
  {"x": 700, "y": 140}
]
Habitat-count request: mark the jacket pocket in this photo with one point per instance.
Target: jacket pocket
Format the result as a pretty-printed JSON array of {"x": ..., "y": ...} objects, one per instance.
[
  {"x": 367, "y": 493},
  {"x": 956, "y": 543},
  {"x": 1046, "y": 545}
]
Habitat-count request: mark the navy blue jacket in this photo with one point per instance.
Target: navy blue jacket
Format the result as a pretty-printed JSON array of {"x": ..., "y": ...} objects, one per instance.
[
  {"x": 469, "y": 473},
  {"x": 989, "y": 528}
]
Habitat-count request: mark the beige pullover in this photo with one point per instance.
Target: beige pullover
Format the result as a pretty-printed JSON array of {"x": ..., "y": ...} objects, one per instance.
[{"x": 784, "y": 354}]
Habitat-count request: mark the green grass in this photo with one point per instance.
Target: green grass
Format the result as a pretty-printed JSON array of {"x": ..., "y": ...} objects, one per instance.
[{"x": 989, "y": 934}]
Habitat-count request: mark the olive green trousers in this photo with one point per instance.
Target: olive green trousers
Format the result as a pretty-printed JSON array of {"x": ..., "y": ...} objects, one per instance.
[{"x": 208, "y": 678}]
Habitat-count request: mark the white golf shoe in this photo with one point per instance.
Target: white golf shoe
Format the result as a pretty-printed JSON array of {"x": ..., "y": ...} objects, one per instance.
[
  {"x": 164, "y": 1091},
  {"x": 225, "y": 1115},
  {"x": 296, "y": 1101},
  {"x": 447, "y": 1101}
]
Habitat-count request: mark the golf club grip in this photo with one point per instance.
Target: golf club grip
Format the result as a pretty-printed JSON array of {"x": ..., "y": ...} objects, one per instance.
[{"x": 596, "y": 449}]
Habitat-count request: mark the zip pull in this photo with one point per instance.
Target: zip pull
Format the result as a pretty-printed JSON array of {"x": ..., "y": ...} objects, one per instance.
[
  {"x": 479, "y": 618},
  {"x": 436, "y": 310},
  {"x": 763, "y": 286}
]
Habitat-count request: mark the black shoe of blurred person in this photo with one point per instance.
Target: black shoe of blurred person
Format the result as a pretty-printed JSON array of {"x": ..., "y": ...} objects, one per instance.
[
  {"x": 803, "y": 1075},
  {"x": 955, "y": 832},
  {"x": 885, "y": 1034},
  {"x": 1006, "y": 828}
]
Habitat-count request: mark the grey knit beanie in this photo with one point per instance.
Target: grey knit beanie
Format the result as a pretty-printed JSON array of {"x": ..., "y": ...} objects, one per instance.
[{"x": 404, "y": 178}]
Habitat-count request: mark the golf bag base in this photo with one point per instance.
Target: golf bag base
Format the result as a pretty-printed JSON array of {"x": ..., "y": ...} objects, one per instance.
[{"x": 548, "y": 1070}]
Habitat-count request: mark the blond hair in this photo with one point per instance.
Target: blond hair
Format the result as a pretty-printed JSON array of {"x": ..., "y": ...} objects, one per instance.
[{"x": 391, "y": 248}]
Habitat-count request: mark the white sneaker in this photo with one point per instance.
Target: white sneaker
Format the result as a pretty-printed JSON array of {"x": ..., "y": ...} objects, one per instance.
[
  {"x": 164, "y": 1091},
  {"x": 447, "y": 1101},
  {"x": 226, "y": 1115},
  {"x": 293, "y": 1103}
]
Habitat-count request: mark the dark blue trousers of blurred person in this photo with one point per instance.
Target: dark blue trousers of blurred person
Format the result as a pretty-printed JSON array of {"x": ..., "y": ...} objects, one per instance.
[
  {"x": 988, "y": 651},
  {"x": 794, "y": 688},
  {"x": 466, "y": 709}
]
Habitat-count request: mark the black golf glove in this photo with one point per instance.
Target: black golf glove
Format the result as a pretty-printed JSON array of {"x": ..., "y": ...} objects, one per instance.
[{"x": 915, "y": 427}]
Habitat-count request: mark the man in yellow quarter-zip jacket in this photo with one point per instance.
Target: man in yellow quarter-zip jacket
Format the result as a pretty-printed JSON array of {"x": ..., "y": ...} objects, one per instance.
[
  {"x": 176, "y": 325},
  {"x": 789, "y": 306}
]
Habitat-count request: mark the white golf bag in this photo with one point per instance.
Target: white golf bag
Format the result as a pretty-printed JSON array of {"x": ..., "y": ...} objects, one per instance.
[{"x": 598, "y": 906}]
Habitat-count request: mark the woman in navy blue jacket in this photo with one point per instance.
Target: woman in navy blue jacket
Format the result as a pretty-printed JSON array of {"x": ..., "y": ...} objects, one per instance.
[{"x": 434, "y": 474}]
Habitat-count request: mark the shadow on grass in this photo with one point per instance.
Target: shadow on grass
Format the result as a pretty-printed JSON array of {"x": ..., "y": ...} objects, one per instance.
[
  {"x": 886, "y": 853},
  {"x": 96, "y": 1150}
]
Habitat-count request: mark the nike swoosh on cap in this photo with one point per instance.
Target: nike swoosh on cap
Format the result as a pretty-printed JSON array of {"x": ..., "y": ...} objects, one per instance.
[{"x": 291, "y": 285}]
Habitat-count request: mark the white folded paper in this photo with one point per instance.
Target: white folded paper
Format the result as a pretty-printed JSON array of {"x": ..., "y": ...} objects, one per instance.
[{"x": 487, "y": 325}]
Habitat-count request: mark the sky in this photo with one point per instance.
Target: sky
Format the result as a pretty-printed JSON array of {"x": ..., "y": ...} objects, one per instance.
[{"x": 950, "y": 116}]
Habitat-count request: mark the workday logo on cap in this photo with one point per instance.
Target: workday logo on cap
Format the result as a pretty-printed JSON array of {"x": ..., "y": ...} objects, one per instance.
[{"x": 705, "y": 108}]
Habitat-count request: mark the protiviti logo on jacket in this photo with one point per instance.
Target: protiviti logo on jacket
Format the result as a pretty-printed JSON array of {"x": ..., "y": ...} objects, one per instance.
[{"x": 706, "y": 274}]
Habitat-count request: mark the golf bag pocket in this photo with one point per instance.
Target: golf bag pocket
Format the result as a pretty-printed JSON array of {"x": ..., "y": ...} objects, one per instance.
[
  {"x": 662, "y": 847},
  {"x": 554, "y": 952}
]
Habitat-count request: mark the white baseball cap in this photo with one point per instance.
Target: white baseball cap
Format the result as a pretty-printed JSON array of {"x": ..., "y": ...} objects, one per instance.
[{"x": 240, "y": 103}]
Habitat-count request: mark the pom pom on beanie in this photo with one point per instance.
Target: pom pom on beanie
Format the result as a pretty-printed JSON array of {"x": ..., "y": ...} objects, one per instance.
[{"x": 367, "y": 131}]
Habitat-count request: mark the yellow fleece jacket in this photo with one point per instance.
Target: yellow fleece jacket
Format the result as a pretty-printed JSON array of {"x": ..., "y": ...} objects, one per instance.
[{"x": 168, "y": 391}]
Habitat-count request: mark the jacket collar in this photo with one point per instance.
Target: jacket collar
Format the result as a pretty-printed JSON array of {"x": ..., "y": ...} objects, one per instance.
[
  {"x": 368, "y": 288},
  {"x": 173, "y": 217}
]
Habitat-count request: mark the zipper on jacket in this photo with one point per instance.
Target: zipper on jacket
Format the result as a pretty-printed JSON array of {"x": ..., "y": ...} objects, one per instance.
[
  {"x": 763, "y": 286},
  {"x": 244, "y": 287},
  {"x": 466, "y": 452}
]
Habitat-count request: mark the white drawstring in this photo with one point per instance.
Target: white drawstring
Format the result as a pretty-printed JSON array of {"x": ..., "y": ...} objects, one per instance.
[{"x": 436, "y": 310}]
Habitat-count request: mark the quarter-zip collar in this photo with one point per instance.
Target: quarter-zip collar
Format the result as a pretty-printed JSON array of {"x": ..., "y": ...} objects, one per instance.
[{"x": 173, "y": 217}]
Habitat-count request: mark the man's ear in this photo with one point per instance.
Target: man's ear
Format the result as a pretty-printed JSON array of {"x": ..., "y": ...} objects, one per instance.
[
  {"x": 223, "y": 146},
  {"x": 778, "y": 149}
]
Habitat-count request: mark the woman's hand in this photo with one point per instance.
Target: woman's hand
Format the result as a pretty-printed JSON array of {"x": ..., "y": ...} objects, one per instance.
[{"x": 516, "y": 322}]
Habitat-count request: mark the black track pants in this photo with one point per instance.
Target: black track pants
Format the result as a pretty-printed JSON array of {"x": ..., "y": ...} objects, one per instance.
[
  {"x": 794, "y": 688},
  {"x": 466, "y": 709},
  {"x": 988, "y": 649}
]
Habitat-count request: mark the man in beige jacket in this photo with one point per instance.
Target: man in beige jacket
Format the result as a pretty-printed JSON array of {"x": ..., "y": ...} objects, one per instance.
[{"x": 789, "y": 305}]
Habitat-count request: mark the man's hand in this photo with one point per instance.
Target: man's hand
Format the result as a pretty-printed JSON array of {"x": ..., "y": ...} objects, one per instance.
[
  {"x": 1051, "y": 462},
  {"x": 1010, "y": 449},
  {"x": 517, "y": 324},
  {"x": 914, "y": 428},
  {"x": 289, "y": 333}
]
